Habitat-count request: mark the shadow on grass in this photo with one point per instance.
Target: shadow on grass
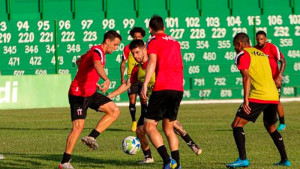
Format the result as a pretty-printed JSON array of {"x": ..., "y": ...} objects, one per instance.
[
  {"x": 38, "y": 161},
  {"x": 53, "y": 129}
]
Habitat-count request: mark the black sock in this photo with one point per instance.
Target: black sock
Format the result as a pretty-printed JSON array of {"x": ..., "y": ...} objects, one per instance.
[
  {"x": 175, "y": 156},
  {"x": 66, "y": 158},
  {"x": 188, "y": 139},
  {"x": 164, "y": 154},
  {"x": 147, "y": 153},
  {"x": 144, "y": 108},
  {"x": 132, "y": 111},
  {"x": 94, "y": 133},
  {"x": 281, "y": 120},
  {"x": 239, "y": 137},
  {"x": 278, "y": 140}
]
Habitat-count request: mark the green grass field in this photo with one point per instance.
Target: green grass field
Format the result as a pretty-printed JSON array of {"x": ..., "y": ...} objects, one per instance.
[{"x": 36, "y": 139}]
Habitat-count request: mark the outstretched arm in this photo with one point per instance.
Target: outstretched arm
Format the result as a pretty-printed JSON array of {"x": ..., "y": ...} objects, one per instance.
[
  {"x": 149, "y": 72},
  {"x": 121, "y": 89},
  {"x": 278, "y": 79}
]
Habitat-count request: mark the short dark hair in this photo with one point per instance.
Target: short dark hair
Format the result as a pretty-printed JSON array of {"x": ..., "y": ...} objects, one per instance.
[
  {"x": 137, "y": 43},
  {"x": 111, "y": 35},
  {"x": 137, "y": 29},
  {"x": 261, "y": 33},
  {"x": 156, "y": 23},
  {"x": 241, "y": 37}
]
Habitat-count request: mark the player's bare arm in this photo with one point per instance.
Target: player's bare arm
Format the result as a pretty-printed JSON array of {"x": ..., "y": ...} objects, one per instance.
[
  {"x": 122, "y": 70},
  {"x": 149, "y": 72},
  {"x": 100, "y": 70},
  {"x": 121, "y": 89},
  {"x": 278, "y": 79},
  {"x": 246, "y": 85}
]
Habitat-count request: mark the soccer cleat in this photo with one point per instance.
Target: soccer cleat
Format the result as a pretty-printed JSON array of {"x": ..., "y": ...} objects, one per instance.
[
  {"x": 134, "y": 125},
  {"x": 171, "y": 165},
  {"x": 66, "y": 165},
  {"x": 281, "y": 127},
  {"x": 90, "y": 142},
  {"x": 286, "y": 163},
  {"x": 238, "y": 163},
  {"x": 197, "y": 150},
  {"x": 147, "y": 160},
  {"x": 178, "y": 167}
]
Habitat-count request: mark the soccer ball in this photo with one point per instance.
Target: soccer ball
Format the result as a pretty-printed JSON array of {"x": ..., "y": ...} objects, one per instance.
[{"x": 131, "y": 145}]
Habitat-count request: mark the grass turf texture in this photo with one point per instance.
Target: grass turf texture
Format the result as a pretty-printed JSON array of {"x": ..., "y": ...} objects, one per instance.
[{"x": 36, "y": 139}]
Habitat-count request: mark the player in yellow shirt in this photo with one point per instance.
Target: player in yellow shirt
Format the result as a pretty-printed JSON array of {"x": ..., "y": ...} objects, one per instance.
[
  {"x": 135, "y": 33},
  {"x": 138, "y": 73},
  {"x": 260, "y": 95}
]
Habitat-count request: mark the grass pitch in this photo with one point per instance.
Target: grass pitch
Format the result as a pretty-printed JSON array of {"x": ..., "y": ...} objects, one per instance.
[{"x": 36, "y": 139}]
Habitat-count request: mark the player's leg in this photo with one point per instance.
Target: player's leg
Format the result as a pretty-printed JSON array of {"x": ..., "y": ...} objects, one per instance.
[
  {"x": 132, "y": 95},
  {"x": 185, "y": 136},
  {"x": 111, "y": 113},
  {"x": 152, "y": 116},
  {"x": 168, "y": 128},
  {"x": 269, "y": 123},
  {"x": 280, "y": 111},
  {"x": 241, "y": 119},
  {"x": 78, "y": 107},
  {"x": 140, "y": 132}
]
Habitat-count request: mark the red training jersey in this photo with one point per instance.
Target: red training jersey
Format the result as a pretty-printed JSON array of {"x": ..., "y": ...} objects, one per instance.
[
  {"x": 126, "y": 52},
  {"x": 274, "y": 55},
  {"x": 169, "y": 65},
  {"x": 86, "y": 78}
]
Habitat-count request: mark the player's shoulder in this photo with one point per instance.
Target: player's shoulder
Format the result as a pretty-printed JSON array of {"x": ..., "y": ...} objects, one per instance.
[{"x": 98, "y": 49}]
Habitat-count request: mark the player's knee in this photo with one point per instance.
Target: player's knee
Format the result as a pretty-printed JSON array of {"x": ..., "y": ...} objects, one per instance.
[
  {"x": 78, "y": 127},
  {"x": 269, "y": 127},
  {"x": 115, "y": 112},
  {"x": 148, "y": 127}
]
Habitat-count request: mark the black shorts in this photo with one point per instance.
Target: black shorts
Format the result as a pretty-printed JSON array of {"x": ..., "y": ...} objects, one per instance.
[
  {"x": 164, "y": 104},
  {"x": 79, "y": 104},
  {"x": 269, "y": 111},
  {"x": 135, "y": 88}
]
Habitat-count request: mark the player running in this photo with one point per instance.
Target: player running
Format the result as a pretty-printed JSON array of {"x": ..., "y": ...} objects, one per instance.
[
  {"x": 139, "y": 51},
  {"x": 275, "y": 56},
  {"x": 83, "y": 95},
  {"x": 260, "y": 95},
  {"x": 166, "y": 60},
  {"x": 135, "y": 33}
]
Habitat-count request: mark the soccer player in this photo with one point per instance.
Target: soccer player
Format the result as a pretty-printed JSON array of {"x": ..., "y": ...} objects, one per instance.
[
  {"x": 83, "y": 95},
  {"x": 138, "y": 49},
  {"x": 135, "y": 33},
  {"x": 260, "y": 95},
  {"x": 166, "y": 60},
  {"x": 275, "y": 56}
]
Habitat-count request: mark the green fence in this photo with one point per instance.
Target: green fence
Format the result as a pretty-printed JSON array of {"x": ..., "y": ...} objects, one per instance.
[
  {"x": 31, "y": 91},
  {"x": 46, "y": 37}
]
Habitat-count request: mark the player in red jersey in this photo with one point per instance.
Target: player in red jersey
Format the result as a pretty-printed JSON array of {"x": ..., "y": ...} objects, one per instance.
[
  {"x": 83, "y": 95},
  {"x": 275, "y": 56},
  {"x": 166, "y": 60},
  {"x": 135, "y": 33}
]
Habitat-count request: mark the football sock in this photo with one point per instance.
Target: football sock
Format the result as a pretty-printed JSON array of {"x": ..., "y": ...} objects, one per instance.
[
  {"x": 66, "y": 158},
  {"x": 239, "y": 137},
  {"x": 144, "y": 108},
  {"x": 94, "y": 133},
  {"x": 147, "y": 153},
  {"x": 132, "y": 111},
  {"x": 281, "y": 120},
  {"x": 164, "y": 154},
  {"x": 175, "y": 156},
  {"x": 278, "y": 141},
  {"x": 188, "y": 139}
]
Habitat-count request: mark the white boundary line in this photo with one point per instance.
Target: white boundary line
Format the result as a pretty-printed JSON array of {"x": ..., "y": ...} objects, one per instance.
[{"x": 292, "y": 99}]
